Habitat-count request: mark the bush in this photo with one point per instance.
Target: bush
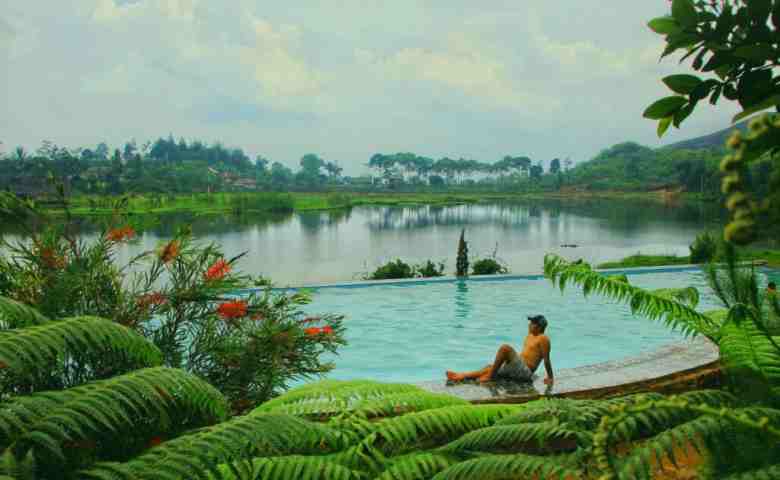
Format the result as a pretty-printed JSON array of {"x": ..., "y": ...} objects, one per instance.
[
  {"x": 488, "y": 266},
  {"x": 430, "y": 269},
  {"x": 181, "y": 297},
  {"x": 704, "y": 248},
  {"x": 392, "y": 270}
]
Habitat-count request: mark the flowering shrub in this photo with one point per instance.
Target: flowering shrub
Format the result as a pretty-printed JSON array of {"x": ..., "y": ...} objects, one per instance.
[{"x": 180, "y": 296}]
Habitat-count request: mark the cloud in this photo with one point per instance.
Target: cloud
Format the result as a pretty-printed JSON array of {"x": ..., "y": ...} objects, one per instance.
[{"x": 462, "y": 66}]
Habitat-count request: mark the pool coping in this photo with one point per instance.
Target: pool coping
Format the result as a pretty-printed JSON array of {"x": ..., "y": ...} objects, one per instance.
[
  {"x": 678, "y": 361},
  {"x": 474, "y": 278}
]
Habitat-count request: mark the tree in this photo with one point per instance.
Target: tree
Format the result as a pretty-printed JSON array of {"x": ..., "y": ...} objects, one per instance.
[
  {"x": 568, "y": 163},
  {"x": 101, "y": 151},
  {"x": 739, "y": 40},
  {"x": 736, "y": 40},
  {"x": 555, "y": 166},
  {"x": 129, "y": 151},
  {"x": 537, "y": 171},
  {"x": 281, "y": 176},
  {"x": 462, "y": 261}
]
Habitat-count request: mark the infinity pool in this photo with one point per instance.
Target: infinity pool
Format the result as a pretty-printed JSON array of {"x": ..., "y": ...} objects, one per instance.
[{"x": 414, "y": 331}]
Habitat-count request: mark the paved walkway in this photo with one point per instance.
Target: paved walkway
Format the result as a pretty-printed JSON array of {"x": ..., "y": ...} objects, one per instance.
[{"x": 600, "y": 378}]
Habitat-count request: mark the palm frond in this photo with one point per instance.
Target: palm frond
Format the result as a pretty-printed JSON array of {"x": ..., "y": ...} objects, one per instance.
[
  {"x": 671, "y": 312},
  {"x": 771, "y": 472},
  {"x": 688, "y": 295},
  {"x": 115, "y": 418},
  {"x": 15, "y": 314},
  {"x": 29, "y": 356}
]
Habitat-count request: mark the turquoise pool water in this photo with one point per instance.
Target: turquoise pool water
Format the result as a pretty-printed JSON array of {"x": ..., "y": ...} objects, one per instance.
[{"x": 413, "y": 332}]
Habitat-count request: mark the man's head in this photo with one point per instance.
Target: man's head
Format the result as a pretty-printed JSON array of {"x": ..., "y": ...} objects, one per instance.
[
  {"x": 537, "y": 324},
  {"x": 771, "y": 286}
]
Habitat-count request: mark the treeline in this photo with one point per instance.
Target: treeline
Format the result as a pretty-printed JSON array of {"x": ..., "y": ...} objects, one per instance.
[{"x": 170, "y": 166}]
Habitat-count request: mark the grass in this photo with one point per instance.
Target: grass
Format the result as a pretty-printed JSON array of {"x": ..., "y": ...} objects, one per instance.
[
  {"x": 640, "y": 260},
  {"x": 772, "y": 257}
]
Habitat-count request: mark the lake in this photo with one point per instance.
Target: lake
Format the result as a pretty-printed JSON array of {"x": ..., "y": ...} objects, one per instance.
[{"x": 340, "y": 245}]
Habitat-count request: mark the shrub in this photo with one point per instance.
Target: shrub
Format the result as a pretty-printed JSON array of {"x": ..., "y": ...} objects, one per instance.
[
  {"x": 704, "y": 248},
  {"x": 430, "y": 269},
  {"x": 181, "y": 297},
  {"x": 488, "y": 266},
  {"x": 392, "y": 270},
  {"x": 462, "y": 261}
]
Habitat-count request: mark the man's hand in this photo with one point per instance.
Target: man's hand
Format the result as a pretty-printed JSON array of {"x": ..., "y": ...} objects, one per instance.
[{"x": 548, "y": 381}]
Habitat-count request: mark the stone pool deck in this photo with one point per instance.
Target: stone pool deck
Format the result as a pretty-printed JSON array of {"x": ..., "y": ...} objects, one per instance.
[{"x": 673, "y": 368}]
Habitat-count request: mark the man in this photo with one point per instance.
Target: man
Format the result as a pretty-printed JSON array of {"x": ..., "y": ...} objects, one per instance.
[
  {"x": 508, "y": 364},
  {"x": 771, "y": 288}
]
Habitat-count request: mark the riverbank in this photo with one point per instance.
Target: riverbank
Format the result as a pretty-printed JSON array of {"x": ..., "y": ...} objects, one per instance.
[
  {"x": 771, "y": 256},
  {"x": 263, "y": 202}
]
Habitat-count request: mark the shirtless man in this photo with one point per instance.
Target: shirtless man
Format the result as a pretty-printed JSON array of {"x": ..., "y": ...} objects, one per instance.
[{"x": 508, "y": 364}]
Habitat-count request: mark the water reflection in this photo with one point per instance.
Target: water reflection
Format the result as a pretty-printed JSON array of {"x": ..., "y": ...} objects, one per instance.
[
  {"x": 462, "y": 304},
  {"x": 335, "y": 245}
]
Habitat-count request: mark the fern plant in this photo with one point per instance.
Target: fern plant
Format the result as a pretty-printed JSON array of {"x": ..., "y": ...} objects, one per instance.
[{"x": 67, "y": 352}]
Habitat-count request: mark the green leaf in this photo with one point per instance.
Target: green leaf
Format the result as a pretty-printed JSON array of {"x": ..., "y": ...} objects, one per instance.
[
  {"x": 768, "y": 103},
  {"x": 759, "y": 10},
  {"x": 664, "y": 107},
  {"x": 663, "y": 126},
  {"x": 685, "y": 12},
  {"x": 683, "y": 113},
  {"x": 682, "y": 84},
  {"x": 664, "y": 25},
  {"x": 759, "y": 52}
]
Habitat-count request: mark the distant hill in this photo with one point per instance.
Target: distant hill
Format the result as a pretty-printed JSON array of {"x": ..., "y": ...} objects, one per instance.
[{"x": 717, "y": 139}]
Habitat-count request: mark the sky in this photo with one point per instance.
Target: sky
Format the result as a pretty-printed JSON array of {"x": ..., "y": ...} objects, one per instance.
[{"x": 344, "y": 78}]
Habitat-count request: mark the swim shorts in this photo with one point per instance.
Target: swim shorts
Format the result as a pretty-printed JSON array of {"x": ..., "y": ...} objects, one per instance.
[{"x": 515, "y": 370}]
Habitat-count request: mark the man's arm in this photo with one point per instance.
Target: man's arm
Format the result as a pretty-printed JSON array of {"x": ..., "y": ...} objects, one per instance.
[{"x": 547, "y": 363}]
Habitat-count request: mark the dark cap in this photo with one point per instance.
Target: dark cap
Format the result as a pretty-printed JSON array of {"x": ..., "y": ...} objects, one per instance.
[{"x": 539, "y": 320}]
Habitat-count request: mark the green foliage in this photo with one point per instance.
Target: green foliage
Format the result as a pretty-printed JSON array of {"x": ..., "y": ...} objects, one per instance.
[
  {"x": 398, "y": 269},
  {"x": 657, "y": 307},
  {"x": 462, "y": 260},
  {"x": 69, "y": 352},
  {"x": 14, "y": 314},
  {"x": 736, "y": 39},
  {"x": 488, "y": 266},
  {"x": 640, "y": 260},
  {"x": 704, "y": 248}
]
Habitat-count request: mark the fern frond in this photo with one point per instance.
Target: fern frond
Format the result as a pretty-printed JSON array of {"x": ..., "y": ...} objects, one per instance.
[
  {"x": 333, "y": 395},
  {"x": 417, "y": 466},
  {"x": 289, "y": 467},
  {"x": 242, "y": 438},
  {"x": 29, "y": 356},
  {"x": 517, "y": 438},
  {"x": 116, "y": 417},
  {"x": 688, "y": 295},
  {"x": 771, "y": 472},
  {"x": 750, "y": 356},
  {"x": 440, "y": 425},
  {"x": 672, "y": 313},
  {"x": 15, "y": 314},
  {"x": 500, "y": 467}
]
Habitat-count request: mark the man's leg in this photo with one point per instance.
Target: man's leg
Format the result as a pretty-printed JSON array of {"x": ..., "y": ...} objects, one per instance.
[
  {"x": 505, "y": 354},
  {"x": 457, "y": 377}
]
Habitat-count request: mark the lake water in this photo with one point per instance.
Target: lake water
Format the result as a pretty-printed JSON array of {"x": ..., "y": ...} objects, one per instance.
[{"x": 340, "y": 245}]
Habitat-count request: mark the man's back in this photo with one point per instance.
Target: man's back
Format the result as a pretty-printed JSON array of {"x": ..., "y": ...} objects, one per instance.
[{"x": 535, "y": 347}]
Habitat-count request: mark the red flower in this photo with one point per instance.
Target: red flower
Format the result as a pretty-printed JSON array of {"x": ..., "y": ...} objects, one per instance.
[
  {"x": 154, "y": 441},
  {"x": 120, "y": 234},
  {"x": 155, "y": 298},
  {"x": 327, "y": 329},
  {"x": 312, "y": 331},
  {"x": 170, "y": 251},
  {"x": 235, "y": 309},
  {"x": 217, "y": 271}
]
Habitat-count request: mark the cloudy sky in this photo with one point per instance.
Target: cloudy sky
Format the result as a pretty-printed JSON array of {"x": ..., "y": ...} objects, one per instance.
[{"x": 341, "y": 78}]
